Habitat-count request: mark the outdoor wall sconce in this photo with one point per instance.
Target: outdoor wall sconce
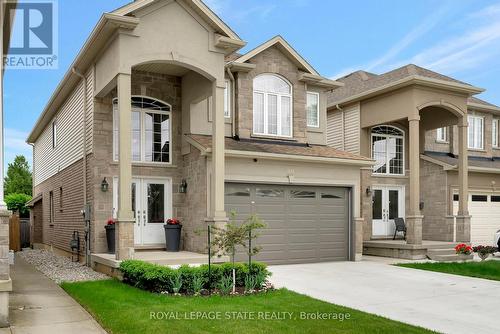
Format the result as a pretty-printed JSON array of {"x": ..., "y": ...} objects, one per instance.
[
  {"x": 104, "y": 185},
  {"x": 183, "y": 186},
  {"x": 368, "y": 191}
]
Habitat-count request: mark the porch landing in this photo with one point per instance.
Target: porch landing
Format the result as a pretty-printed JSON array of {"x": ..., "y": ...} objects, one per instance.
[
  {"x": 401, "y": 250},
  {"x": 107, "y": 263}
]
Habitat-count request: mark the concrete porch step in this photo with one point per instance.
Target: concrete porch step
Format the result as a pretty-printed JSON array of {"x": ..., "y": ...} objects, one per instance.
[
  {"x": 440, "y": 251},
  {"x": 451, "y": 258},
  {"x": 149, "y": 248}
]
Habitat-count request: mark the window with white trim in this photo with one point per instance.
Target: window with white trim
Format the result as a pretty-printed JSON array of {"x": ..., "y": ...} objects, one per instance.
[
  {"x": 388, "y": 150},
  {"x": 442, "y": 135},
  {"x": 227, "y": 99},
  {"x": 476, "y": 132},
  {"x": 272, "y": 106},
  {"x": 151, "y": 131},
  {"x": 494, "y": 133},
  {"x": 312, "y": 109}
]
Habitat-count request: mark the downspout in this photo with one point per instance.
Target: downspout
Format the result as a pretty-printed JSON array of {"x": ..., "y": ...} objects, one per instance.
[
  {"x": 233, "y": 102},
  {"x": 84, "y": 135},
  {"x": 343, "y": 125}
]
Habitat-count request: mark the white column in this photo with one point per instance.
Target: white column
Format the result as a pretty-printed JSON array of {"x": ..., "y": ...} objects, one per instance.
[
  {"x": 218, "y": 213},
  {"x": 3, "y": 206},
  {"x": 124, "y": 233}
]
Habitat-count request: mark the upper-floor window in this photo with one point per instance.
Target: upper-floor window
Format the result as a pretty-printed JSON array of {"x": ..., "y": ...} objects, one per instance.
[
  {"x": 442, "y": 135},
  {"x": 494, "y": 133},
  {"x": 151, "y": 131},
  {"x": 312, "y": 109},
  {"x": 54, "y": 134},
  {"x": 476, "y": 132},
  {"x": 227, "y": 99},
  {"x": 388, "y": 150},
  {"x": 272, "y": 106}
]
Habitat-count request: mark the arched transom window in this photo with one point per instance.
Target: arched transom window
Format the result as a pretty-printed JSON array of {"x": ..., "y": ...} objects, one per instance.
[
  {"x": 151, "y": 130},
  {"x": 272, "y": 106},
  {"x": 388, "y": 150}
]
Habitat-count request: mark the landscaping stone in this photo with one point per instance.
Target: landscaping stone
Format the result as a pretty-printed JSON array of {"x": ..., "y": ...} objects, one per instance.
[{"x": 60, "y": 268}]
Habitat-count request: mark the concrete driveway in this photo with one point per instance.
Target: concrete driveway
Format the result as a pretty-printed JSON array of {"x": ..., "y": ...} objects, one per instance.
[{"x": 441, "y": 302}]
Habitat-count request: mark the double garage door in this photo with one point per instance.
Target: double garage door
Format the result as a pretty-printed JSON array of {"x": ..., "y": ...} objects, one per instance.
[
  {"x": 303, "y": 224},
  {"x": 485, "y": 211}
]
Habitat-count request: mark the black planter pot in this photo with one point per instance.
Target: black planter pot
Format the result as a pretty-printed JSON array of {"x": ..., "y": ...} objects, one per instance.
[
  {"x": 110, "y": 237},
  {"x": 172, "y": 237}
]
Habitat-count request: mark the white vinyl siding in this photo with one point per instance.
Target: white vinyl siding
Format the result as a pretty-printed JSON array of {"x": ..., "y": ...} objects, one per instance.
[
  {"x": 312, "y": 107},
  {"x": 494, "y": 133},
  {"x": 343, "y": 129},
  {"x": 47, "y": 161},
  {"x": 476, "y": 132}
]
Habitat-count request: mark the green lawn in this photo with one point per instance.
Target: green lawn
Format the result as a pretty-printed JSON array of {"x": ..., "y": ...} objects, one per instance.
[
  {"x": 486, "y": 269},
  {"x": 124, "y": 309}
]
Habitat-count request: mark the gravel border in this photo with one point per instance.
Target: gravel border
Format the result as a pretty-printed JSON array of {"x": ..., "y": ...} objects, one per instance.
[{"x": 59, "y": 268}]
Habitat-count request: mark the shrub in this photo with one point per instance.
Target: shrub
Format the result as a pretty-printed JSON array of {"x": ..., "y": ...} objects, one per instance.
[
  {"x": 156, "y": 278},
  {"x": 17, "y": 202}
]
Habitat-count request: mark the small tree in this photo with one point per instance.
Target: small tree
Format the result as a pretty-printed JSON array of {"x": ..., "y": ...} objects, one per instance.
[
  {"x": 17, "y": 202},
  {"x": 227, "y": 239},
  {"x": 18, "y": 179}
]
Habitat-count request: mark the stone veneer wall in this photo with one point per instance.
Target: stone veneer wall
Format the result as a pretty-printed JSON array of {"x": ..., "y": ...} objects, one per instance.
[
  {"x": 271, "y": 60},
  {"x": 433, "y": 192},
  {"x": 190, "y": 207}
]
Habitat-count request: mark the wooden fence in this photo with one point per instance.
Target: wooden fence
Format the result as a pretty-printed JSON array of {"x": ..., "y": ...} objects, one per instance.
[{"x": 19, "y": 232}]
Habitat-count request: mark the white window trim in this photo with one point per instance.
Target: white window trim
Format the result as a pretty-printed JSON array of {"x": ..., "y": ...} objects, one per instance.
[
  {"x": 442, "y": 131},
  {"x": 494, "y": 136},
  {"x": 142, "y": 148},
  {"x": 387, "y": 173},
  {"x": 317, "y": 111},
  {"x": 227, "y": 99},
  {"x": 265, "y": 111},
  {"x": 475, "y": 147}
]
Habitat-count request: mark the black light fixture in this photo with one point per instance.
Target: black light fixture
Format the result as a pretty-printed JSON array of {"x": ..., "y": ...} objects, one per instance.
[
  {"x": 368, "y": 191},
  {"x": 183, "y": 186},
  {"x": 104, "y": 185}
]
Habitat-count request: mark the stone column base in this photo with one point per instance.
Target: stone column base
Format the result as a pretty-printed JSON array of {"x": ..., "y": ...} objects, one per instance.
[
  {"x": 414, "y": 230},
  {"x": 463, "y": 228},
  {"x": 358, "y": 238},
  {"x": 124, "y": 235}
]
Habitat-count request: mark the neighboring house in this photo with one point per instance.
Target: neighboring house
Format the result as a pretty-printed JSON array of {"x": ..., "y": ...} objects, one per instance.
[
  {"x": 413, "y": 123},
  {"x": 159, "y": 107},
  {"x": 6, "y": 22}
]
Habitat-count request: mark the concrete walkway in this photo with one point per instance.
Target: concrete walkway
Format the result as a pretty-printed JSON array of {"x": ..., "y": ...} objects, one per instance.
[
  {"x": 441, "y": 302},
  {"x": 39, "y": 306}
]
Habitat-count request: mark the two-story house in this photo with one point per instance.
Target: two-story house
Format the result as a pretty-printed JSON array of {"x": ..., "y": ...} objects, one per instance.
[
  {"x": 160, "y": 117},
  {"x": 435, "y": 148}
]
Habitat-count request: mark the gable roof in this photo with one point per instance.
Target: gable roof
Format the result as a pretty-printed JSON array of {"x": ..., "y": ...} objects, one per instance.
[
  {"x": 203, "y": 10},
  {"x": 361, "y": 84},
  {"x": 284, "y": 47}
]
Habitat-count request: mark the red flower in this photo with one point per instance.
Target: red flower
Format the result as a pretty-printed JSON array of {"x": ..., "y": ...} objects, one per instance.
[
  {"x": 173, "y": 221},
  {"x": 111, "y": 221},
  {"x": 463, "y": 249}
]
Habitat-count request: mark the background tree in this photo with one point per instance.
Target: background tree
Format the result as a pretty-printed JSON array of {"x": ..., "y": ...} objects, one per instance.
[
  {"x": 17, "y": 203},
  {"x": 18, "y": 179}
]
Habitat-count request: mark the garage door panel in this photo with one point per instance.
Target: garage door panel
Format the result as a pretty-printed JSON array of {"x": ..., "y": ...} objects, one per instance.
[{"x": 303, "y": 224}]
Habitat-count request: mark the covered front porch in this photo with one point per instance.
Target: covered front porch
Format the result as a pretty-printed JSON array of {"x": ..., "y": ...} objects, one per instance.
[{"x": 394, "y": 129}]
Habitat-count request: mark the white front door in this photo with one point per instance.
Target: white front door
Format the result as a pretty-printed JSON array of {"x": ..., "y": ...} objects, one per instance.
[
  {"x": 152, "y": 205},
  {"x": 387, "y": 204}
]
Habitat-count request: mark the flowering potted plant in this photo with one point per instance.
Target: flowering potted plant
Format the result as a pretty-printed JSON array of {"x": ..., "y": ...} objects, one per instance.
[
  {"x": 173, "y": 228},
  {"x": 464, "y": 251},
  {"x": 110, "y": 235},
  {"x": 484, "y": 251}
]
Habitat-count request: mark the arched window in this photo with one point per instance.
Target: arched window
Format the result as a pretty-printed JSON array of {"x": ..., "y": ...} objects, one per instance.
[
  {"x": 388, "y": 150},
  {"x": 151, "y": 130},
  {"x": 272, "y": 106}
]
